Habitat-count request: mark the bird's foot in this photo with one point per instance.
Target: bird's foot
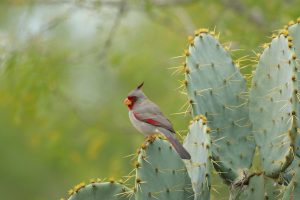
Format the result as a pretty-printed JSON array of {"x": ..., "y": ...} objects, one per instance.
[{"x": 150, "y": 138}]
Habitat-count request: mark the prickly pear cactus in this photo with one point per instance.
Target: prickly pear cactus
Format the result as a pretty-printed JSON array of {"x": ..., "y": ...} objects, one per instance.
[
  {"x": 226, "y": 128},
  {"x": 294, "y": 31},
  {"x": 292, "y": 191},
  {"x": 103, "y": 191},
  {"x": 272, "y": 105},
  {"x": 286, "y": 176},
  {"x": 198, "y": 143},
  {"x": 256, "y": 186},
  {"x": 217, "y": 90},
  {"x": 161, "y": 174}
]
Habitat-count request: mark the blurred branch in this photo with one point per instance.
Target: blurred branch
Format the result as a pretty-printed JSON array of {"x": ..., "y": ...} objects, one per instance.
[
  {"x": 185, "y": 19},
  {"x": 116, "y": 3},
  {"x": 91, "y": 3},
  {"x": 122, "y": 5},
  {"x": 113, "y": 30},
  {"x": 169, "y": 21},
  {"x": 165, "y": 22},
  {"x": 47, "y": 26},
  {"x": 171, "y": 2},
  {"x": 255, "y": 15},
  {"x": 54, "y": 22}
]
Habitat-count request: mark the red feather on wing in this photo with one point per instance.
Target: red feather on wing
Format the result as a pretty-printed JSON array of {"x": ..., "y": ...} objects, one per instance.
[{"x": 167, "y": 125}]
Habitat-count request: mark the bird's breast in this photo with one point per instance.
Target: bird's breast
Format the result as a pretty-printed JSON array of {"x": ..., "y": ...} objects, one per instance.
[{"x": 143, "y": 127}]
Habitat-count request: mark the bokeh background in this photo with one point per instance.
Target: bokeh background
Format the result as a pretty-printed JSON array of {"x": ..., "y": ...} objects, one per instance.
[{"x": 66, "y": 66}]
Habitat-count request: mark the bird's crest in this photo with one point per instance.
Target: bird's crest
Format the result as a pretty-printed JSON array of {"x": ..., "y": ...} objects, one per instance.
[{"x": 140, "y": 86}]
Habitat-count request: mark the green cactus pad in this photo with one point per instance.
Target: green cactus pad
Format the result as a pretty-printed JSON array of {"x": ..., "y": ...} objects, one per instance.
[
  {"x": 256, "y": 187},
  {"x": 217, "y": 90},
  {"x": 161, "y": 174},
  {"x": 103, "y": 191},
  {"x": 198, "y": 145},
  {"x": 292, "y": 191},
  {"x": 294, "y": 31},
  {"x": 271, "y": 106},
  {"x": 288, "y": 174}
]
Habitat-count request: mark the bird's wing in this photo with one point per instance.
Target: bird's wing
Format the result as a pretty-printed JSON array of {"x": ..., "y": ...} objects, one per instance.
[{"x": 150, "y": 113}]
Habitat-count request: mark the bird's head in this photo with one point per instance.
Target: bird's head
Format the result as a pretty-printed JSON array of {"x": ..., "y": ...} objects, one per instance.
[{"x": 135, "y": 96}]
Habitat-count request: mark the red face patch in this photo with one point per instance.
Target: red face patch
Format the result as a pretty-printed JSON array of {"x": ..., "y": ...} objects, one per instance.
[{"x": 129, "y": 101}]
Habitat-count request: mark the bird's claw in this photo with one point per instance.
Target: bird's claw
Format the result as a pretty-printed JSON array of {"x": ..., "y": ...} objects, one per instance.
[{"x": 150, "y": 138}]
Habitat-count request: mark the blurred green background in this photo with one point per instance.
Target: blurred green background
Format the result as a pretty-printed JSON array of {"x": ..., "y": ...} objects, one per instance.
[{"x": 66, "y": 66}]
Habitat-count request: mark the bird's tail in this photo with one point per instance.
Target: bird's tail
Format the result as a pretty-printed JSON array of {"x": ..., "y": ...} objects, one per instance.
[{"x": 183, "y": 153}]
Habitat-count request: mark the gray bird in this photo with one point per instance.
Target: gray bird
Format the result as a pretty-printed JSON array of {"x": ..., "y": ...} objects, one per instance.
[{"x": 147, "y": 118}]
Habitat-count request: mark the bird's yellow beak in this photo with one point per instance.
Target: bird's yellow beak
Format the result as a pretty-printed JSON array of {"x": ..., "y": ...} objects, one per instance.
[{"x": 127, "y": 102}]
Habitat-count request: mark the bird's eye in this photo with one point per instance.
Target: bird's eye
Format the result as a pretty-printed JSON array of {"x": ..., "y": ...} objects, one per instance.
[{"x": 132, "y": 98}]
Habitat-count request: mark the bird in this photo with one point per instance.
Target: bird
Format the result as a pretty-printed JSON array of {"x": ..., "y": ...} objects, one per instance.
[{"x": 148, "y": 119}]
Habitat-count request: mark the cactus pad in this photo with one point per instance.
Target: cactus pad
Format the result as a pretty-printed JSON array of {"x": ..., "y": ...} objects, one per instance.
[
  {"x": 161, "y": 174},
  {"x": 255, "y": 187},
  {"x": 294, "y": 31},
  {"x": 293, "y": 189},
  {"x": 103, "y": 191},
  {"x": 217, "y": 90},
  {"x": 198, "y": 144},
  {"x": 271, "y": 106}
]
